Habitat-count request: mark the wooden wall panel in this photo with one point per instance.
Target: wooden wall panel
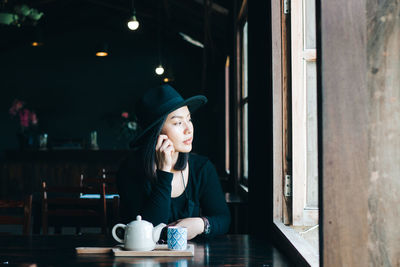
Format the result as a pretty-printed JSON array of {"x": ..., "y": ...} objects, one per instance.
[
  {"x": 383, "y": 79},
  {"x": 344, "y": 133},
  {"x": 360, "y": 88}
]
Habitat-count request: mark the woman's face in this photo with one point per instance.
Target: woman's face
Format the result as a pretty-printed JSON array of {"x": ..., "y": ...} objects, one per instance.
[{"x": 179, "y": 129}]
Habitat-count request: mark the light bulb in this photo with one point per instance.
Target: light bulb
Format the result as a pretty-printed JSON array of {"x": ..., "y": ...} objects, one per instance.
[
  {"x": 159, "y": 70},
  {"x": 133, "y": 24},
  {"x": 101, "y": 54}
]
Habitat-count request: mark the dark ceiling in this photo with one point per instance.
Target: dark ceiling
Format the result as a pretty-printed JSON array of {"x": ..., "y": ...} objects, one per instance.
[{"x": 167, "y": 17}]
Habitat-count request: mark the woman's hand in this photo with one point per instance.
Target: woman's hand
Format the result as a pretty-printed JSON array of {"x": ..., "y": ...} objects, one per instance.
[
  {"x": 164, "y": 151},
  {"x": 194, "y": 225}
]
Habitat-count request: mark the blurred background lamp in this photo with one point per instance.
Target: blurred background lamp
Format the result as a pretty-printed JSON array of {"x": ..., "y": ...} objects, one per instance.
[
  {"x": 133, "y": 24},
  {"x": 168, "y": 75},
  {"x": 36, "y": 43},
  {"x": 103, "y": 51},
  {"x": 159, "y": 70},
  {"x": 101, "y": 54},
  {"x": 168, "y": 79},
  {"x": 37, "y": 38}
]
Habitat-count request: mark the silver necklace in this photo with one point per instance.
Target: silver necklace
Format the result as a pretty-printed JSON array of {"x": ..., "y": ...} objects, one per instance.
[
  {"x": 183, "y": 180},
  {"x": 184, "y": 186}
]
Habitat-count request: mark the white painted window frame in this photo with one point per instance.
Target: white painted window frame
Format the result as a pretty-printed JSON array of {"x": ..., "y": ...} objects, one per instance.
[
  {"x": 303, "y": 215},
  {"x": 289, "y": 237}
]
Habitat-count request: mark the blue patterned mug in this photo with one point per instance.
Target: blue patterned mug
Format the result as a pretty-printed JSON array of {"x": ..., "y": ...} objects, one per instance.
[{"x": 177, "y": 238}]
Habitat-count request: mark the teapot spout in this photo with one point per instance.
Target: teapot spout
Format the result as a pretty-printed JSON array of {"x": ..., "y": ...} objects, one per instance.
[{"x": 157, "y": 231}]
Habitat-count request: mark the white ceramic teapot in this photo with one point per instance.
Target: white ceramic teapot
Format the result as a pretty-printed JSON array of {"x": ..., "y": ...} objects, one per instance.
[{"x": 140, "y": 235}]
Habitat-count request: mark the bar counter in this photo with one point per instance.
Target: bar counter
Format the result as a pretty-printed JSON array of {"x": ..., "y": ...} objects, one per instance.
[{"x": 227, "y": 250}]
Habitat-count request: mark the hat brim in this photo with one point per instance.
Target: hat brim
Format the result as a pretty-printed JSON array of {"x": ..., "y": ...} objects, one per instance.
[{"x": 193, "y": 104}]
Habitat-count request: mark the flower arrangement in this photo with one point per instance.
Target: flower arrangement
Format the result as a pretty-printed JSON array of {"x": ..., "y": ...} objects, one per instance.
[
  {"x": 129, "y": 126},
  {"x": 123, "y": 125},
  {"x": 28, "y": 122},
  {"x": 27, "y": 118}
]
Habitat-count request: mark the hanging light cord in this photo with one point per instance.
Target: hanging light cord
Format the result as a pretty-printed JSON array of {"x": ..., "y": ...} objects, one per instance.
[
  {"x": 133, "y": 8},
  {"x": 159, "y": 35}
]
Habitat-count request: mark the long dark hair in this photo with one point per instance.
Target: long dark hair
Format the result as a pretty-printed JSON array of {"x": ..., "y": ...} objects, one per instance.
[{"x": 149, "y": 156}]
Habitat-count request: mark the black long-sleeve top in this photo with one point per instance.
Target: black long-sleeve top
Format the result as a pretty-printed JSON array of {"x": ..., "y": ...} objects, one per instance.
[{"x": 203, "y": 195}]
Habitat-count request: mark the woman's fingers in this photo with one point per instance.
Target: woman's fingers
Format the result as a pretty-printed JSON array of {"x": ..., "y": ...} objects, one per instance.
[
  {"x": 166, "y": 146},
  {"x": 160, "y": 140},
  {"x": 194, "y": 226},
  {"x": 164, "y": 150}
]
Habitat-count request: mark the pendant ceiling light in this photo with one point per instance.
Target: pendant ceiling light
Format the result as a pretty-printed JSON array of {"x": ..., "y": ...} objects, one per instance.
[
  {"x": 159, "y": 69},
  {"x": 168, "y": 75},
  {"x": 102, "y": 51},
  {"x": 37, "y": 39},
  {"x": 133, "y": 23}
]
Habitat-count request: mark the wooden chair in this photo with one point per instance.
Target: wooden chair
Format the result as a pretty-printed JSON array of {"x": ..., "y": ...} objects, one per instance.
[
  {"x": 109, "y": 177},
  {"x": 108, "y": 180},
  {"x": 63, "y": 206},
  {"x": 13, "y": 205},
  {"x": 91, "y": 184}
]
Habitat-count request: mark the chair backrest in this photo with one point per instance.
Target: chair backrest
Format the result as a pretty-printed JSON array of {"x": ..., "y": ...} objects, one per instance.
[
  {"x": 95, "y": 186},
  {"x": 107, "y": 179},
  {"x": 110, "y": 180},
  {"x": 24, "y": 220},
  {"x": 63, "y": 206}
]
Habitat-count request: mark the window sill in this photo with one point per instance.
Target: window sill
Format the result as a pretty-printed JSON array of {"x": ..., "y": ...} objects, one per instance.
[
  {"x": 308, "y": 252},
  {"x": 309, "y": 234}
]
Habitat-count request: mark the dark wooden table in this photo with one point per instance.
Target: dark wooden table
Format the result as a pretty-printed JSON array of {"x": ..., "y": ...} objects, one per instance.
[{"x": 228, "y": 250}]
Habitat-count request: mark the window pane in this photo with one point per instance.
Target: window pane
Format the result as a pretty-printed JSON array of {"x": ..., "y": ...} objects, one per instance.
[
  {"x": 245, "y": 142},
  {"x": 310, "y": 24},
  {"x": 312, "y": 135},
  {"x": 244, "y": 89}
]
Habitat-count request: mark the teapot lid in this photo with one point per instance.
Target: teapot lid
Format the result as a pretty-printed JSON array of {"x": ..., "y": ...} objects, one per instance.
[{"x": 139, "y": 221}]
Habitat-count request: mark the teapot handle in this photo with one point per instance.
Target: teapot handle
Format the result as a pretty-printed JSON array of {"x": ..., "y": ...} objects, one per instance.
[{"x": 114, "y": 234}]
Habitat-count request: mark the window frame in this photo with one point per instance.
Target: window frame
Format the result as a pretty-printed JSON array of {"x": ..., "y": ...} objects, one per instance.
[
  {"x": 282, "y": 54},
  {"x": 240, "y": 101},
  {"x": 302, "y": 214}
]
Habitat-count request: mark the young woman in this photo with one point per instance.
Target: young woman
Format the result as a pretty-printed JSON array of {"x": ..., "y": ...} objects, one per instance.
[{"x": 162, "y": 181}]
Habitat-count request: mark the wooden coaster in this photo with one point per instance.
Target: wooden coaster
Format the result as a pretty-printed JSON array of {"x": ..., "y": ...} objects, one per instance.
[
  {"x": 92, "y": 250},
  {"x": 160, "y": 250},
  {"x": 95, "y": 250}
]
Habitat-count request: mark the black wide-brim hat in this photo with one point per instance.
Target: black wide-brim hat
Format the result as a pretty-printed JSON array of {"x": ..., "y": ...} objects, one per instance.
[{"x": 158, "y": 102}]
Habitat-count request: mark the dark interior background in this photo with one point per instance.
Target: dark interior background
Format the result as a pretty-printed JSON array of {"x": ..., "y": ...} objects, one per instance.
[{"x": 74, "y": 92}]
